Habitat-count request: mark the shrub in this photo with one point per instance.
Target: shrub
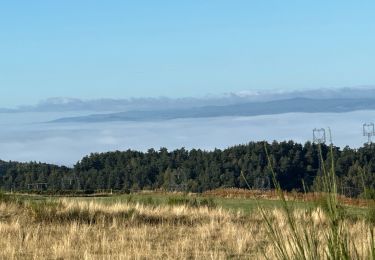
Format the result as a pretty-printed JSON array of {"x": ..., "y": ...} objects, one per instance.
[
  {"x": 210, "y": 203},
  {"x": 192, "y": 202}
]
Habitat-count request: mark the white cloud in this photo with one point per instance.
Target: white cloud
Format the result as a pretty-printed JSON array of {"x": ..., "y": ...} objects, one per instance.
[
  {"x": 68, "y": 143},
  {"x": 64, "y": 104}
]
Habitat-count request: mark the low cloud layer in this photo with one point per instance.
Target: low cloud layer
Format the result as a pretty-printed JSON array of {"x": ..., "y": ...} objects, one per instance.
[{"x": 23, "y": 139}]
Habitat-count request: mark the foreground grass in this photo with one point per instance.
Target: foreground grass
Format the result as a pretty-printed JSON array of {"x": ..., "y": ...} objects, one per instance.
[
  {"x": 123, "y": 228},
  {"x": 304, "y": 240},
  {"x": 70, "y": 229}
]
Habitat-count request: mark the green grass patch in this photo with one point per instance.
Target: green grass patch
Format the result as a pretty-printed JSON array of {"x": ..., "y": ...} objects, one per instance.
[{"x": 245, "y": 205}]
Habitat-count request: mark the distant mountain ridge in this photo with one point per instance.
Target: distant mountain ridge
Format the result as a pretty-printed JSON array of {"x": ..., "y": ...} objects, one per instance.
[
  {"x": 294, "y": 105},
  {"x": 108, "y": 105}
]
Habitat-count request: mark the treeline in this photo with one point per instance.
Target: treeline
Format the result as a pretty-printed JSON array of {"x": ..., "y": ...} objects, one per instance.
[{"x": 297, "y": 168}]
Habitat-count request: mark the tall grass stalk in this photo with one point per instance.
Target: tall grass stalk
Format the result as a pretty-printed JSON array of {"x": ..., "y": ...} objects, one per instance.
[
  {"x": 301, "y": 238},
  {"x": 298, "y": 245}
]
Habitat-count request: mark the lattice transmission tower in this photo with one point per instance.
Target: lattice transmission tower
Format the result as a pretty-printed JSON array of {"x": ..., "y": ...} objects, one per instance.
[{"x": 369, "y": 131}]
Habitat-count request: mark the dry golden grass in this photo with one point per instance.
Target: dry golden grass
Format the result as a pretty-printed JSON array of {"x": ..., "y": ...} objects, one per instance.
[{"x": 71, "y": 229}]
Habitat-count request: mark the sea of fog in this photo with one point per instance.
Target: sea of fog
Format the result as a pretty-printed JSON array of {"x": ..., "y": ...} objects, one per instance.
[{"x": 26, "y": 136}]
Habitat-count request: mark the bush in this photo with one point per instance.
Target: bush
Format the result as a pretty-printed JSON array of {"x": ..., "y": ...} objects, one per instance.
[
  {"x": 368, "y": 194},
  {"x": 210, "y": 203},
  {"x": 191, "y": 202},
  {"x": 172, "y": 201},
  {"x": 4, "y": 197},
  {"x": 7, "y": 198}
]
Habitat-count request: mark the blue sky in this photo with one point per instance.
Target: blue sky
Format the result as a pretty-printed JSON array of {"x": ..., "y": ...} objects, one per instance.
[{"x": 121, "y": 49}]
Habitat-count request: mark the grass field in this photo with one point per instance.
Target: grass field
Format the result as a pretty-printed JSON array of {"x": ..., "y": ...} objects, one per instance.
[
  {"x": 167, "y": 226},
  {"x": 229, "y": 201}
]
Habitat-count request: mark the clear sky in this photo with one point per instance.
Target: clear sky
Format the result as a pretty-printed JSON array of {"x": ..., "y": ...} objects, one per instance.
[{"x": 120, "y": 49}]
